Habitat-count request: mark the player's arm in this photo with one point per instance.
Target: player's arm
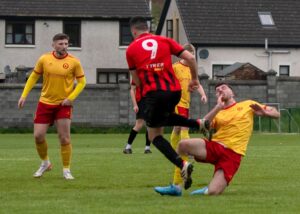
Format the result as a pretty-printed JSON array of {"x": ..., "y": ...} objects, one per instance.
[
  {"x": 133, "y": 99},
  {"x": 265, "y": 111},
  {"x": 33, "y": 78},
  {"x": 135, "y": 77},
  {"x": 191, "y": 62},
  {"x": 81, "y": 82},
  {"x": 218, "y": 107},
  {"x": 202, "y": 93}
]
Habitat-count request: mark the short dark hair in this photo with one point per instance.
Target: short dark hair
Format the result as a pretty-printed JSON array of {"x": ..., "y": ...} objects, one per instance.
[
  {"x": 222, "y": 83},
  {"x": 139, "y": 23},
  {"x": 60, "y": 36}
]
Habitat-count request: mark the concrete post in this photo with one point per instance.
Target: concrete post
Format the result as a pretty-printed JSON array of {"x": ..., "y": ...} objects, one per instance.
[
  {"x": 271, "y": 86},
  {"x": 124, "y": 102}
]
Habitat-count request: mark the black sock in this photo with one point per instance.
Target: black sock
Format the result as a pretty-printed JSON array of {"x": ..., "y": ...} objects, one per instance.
[
  {"x": 164, "y": 147},
  {"x": 148, "y": 142},
  {"x": 132, "y": 136},
  {"x": 178, "y": 120}
]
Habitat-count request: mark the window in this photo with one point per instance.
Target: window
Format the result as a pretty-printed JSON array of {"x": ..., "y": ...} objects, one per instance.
[
  {"x": 284, "y": 70},
  {"x": 125, "y": 33},
  {"x": 217, "y": 68},
  {"x": 19, "y": 32},
  {"x": 177, "y": 30},
  {"x": 112, "y": 76},
  {"x": 266, "y": 19},
  {"x": 169, "y": 29},
  {"x": 73, "y": 30}
]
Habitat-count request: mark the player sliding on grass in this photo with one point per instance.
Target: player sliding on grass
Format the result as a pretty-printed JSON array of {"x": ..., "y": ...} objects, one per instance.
[
  {"x": 233, "y": 124},
  {"x": 150, "y": 64},
  {"x": 59, "y": 70}
]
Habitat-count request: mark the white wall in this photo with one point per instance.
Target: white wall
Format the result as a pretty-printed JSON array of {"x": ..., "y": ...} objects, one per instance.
[
  {"x": 255, "y": 56},
  {"x": 99, "y": 46}
]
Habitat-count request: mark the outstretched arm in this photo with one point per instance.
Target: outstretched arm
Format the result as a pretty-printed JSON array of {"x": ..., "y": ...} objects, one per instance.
[
  {"x": 202, "y": 93},
  {"x": 268, "y": 111}
]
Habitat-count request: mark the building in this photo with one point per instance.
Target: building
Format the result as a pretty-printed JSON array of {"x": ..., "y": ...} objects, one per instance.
[
  {"x": 264, "y": 33},
  {"x": 98, "y": 29}
]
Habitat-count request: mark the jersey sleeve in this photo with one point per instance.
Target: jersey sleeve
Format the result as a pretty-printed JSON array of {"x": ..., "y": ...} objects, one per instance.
[
  {"x": 130, "y": 60},
  {"x": 38, "y": 68},
  {"x": 176, "y": 49},
  {"x": 79, "y": 73}
]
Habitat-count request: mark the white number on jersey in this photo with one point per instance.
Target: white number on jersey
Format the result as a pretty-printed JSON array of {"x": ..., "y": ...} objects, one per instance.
[{"x": 152, "y": 48}]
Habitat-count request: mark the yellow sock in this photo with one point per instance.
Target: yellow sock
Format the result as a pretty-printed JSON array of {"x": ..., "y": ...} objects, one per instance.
[
  {"x": 175, "y": 138},
  {"x": 184, "y": 134},
  {"x": 42, "y": 149},
  {"x": 66, "y": 154}
]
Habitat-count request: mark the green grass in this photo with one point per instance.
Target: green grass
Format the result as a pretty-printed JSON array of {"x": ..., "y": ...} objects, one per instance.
[{"x": 108, "y": 181}]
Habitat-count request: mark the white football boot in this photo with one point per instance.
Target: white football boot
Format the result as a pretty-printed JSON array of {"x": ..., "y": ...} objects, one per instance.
[{"x": 45, "y": 166}]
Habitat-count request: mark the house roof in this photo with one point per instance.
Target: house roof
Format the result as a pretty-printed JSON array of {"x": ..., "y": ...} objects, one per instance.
[
  {"x": 236, "y": 22},
  {"x": 228, "y": 70},
  {"x": 99, "y": 9}
]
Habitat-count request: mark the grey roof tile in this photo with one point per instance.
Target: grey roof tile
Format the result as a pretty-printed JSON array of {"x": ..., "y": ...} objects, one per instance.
[
  {"x": 75, "y": 8},
  {"x": 236, "y": 22}
]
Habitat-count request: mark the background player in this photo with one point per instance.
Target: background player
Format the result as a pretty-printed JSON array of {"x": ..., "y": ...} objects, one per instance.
[
  {"x": 139, "y": 108},
  {"x": 59, "y": 70}
]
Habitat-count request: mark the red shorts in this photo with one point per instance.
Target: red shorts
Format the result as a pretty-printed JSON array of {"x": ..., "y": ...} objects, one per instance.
[
  {"x": 223, "y": 158},
  {"x": 47, "y": 114},
  {"x": 182, "y": 111}
]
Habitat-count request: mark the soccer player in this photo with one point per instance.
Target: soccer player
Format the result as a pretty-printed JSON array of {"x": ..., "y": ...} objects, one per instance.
[
  {"x": 138, "y": 107},
  {"x": 183, "y": 74},
  {"x": 59, "y": 70},
  {"x": 150, "y": 65},
  {"x": 233, "y": 124}
]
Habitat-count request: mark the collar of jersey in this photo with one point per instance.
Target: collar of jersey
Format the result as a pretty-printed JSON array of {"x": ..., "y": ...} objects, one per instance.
[
  {"x": 57, "y": 57},
  {"x": 143, "y": 34},
  {"x": 233, "y": 104}
]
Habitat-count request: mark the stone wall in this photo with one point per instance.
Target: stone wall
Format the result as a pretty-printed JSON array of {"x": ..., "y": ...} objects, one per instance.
[{"x": 110, "y": 104}]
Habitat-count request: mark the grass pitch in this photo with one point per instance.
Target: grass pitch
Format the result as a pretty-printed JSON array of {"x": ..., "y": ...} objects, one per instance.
[{"x": 107, "y": 181}]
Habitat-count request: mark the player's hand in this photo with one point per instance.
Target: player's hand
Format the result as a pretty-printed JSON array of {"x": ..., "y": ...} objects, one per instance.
[
  {"x": 67, "y": 102},
  {"x": 258, "y": 110},
  {"x": 204, "y": 99},
  {"x": 21, "y": 102},
  {"x": 220, "y": 102},
  {"x": 136, "y": 109},
  {"x": 194, "y": 85}
]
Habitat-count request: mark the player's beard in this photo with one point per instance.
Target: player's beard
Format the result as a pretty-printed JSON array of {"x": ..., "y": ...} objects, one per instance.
[{"x": 61, "y": 52}]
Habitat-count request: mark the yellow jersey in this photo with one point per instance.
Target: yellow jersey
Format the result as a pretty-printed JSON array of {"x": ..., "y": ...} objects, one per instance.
[
  {"x": 58, "y": 76},
  {"x": 234, "y": 126},
  {"x": 183, "y": 74}
]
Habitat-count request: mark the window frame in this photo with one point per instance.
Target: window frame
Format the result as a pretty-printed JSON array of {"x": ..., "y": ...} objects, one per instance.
[
  {"x": 107, "y": 72},
  {"x": 288, "y": 70},
  {"x": 13, "y": 33},
  {"x": 122, "y": 24},
  {"x": 266, "y": 19},
  {"x": 169, "y": 28},
  {"x": 73, "y": 22}
]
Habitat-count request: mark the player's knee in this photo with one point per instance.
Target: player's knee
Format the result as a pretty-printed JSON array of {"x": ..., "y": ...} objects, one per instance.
[
  {"x": 183, "y": 146},
  {"x": 39, "y": 137},
  {"x": 65, "y": 140}
]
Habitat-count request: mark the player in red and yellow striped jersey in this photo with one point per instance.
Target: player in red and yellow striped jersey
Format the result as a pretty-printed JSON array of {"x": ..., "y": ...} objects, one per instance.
[
  {"x": 59, "y": 70},
  {"x": 233, "y": 123}
]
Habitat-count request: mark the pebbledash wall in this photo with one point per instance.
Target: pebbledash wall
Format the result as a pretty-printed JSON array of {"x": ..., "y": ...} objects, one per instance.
[{"x": 110, "y": 104}]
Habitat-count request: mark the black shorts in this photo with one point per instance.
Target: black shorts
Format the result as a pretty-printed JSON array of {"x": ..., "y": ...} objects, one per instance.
[
  {"x": 141, "y": 113},
  {"x": 159, "y": 106}
]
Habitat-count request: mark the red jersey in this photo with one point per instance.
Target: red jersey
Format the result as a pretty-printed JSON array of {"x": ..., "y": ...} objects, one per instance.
[{"x": 150, "y": 55}]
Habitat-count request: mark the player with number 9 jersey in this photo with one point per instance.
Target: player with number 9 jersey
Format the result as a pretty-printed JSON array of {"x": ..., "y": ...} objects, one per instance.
[{"x": 150, "y": 56}]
